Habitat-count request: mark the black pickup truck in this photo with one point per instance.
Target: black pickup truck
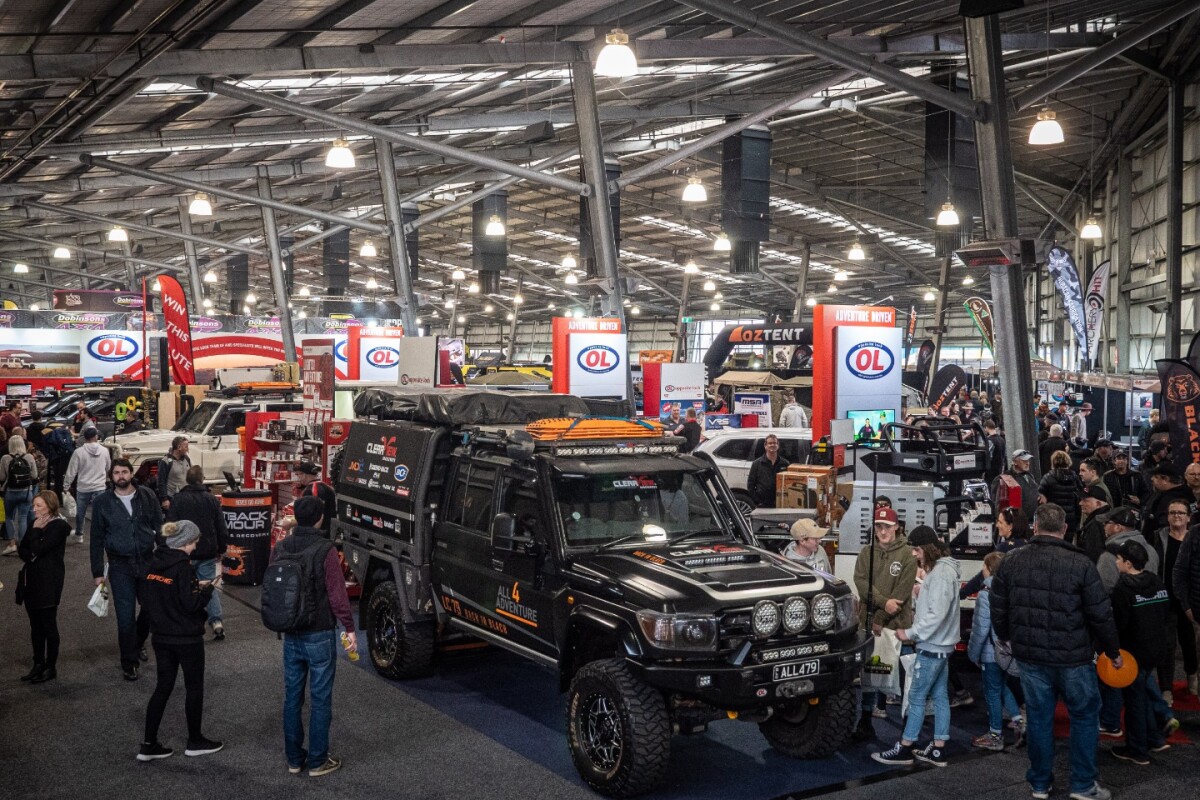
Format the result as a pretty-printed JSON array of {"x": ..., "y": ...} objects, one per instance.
[{"x": 607, "y": 557}]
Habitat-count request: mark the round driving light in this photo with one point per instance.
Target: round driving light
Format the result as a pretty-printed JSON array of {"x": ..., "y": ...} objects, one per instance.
[
  {"x": 824, "y": 609},
  {"x": 693, "y": 633},
  {"x": 795, "y": 614},
  {"x": 766, "y": 618}
]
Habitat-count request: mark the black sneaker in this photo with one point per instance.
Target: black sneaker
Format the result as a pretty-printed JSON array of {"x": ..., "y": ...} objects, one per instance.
[
  {"x": 1126, "y": 754},
  {"x": 332, "y": 764},
  {"x": 899, "y": 754},
  {"x": 1111, "y": 733},
  {"x": 151, "y": 751},
  {"x": 932, "y": 755},
  {"x": 1160, "y": 748},
  {"x": 130, "y": 673},
  {"x": 201, "y": 747}
]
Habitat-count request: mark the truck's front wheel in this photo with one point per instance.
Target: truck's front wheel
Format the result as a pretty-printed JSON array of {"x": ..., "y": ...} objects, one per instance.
[
  {"x": 398, "y": 649},
  {"x": 618, "y": 730},
  {"x": 806, "y": 730}
]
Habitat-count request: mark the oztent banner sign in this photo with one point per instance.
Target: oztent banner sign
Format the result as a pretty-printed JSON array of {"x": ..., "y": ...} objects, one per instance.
[
  {"x": 1061, "y": 267},
  {"x": 946, "y": 383}
]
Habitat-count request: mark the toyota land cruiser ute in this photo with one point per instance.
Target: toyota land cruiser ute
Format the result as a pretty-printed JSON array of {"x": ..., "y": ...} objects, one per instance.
[{"x": 590, "y": 546}]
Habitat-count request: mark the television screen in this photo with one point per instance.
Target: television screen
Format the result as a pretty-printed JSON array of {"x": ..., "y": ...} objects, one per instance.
[{"x": 868, "y": 425}]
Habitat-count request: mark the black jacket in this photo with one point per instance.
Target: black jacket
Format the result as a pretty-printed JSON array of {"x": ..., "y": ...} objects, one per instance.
[
  {"x": 1140, "y": 608},
  {"x": 1185, "y": 578},
  {"x": 199, "y": 505},
  {"x": 1124, "y": 488},
  {"x": 1052, "y": 445},
  {"x": 1154, "y": 515},
  {"x": 116, "y": 533},
  {"x": 691, "y": 432},
  {"x": 761, "y": 481},
  {"x": 997, "y": 456},
  {"x": 173, "y": 600},
  {"x": 42, "y": 550},
  {"x": 1091, "y": 534},
  {"x": 1048, "y": 601},
  {"x": 1063, "y": 487}
]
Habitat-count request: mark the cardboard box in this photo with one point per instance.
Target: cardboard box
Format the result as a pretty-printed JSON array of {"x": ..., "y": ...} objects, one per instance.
[{"x": 803, "y": 486}]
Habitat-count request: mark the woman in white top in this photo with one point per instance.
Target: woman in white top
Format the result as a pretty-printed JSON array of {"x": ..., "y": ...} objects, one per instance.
[{"x": 807, "y": 547}]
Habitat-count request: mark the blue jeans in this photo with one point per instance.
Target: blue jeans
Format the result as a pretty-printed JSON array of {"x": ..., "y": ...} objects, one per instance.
[
  {"x": 125, "y": 578},
  {"x": 83, "y": 500},
  {"x": 311, "y": 658},
  {"x": 1111, "y": 701},
  {"x": 930, "y": 682},
  {"x": 206, "y": 570},
  {"x": 998, "y": 696},
  {"x": 16, "y": 512},
  {"x": 1140, "y": 728},
  {"x": 1079, "y": 689}
]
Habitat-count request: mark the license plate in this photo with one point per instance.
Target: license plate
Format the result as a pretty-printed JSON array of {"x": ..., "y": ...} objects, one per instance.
[{"x": 798, "y": 669}]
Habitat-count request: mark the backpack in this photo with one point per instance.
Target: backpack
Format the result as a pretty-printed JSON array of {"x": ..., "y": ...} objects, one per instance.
[
  {"x": 289, "y": 589},
  {"x": 58, "y": 443},
  {"x": 20, "y": 474}
]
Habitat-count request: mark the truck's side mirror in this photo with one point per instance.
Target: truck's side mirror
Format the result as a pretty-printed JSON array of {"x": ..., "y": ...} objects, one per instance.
[{"x": 504, "y": 534}]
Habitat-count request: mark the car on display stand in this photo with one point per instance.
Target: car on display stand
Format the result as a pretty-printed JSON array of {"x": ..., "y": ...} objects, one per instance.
[
  {"x": 733, "y": 450},
  {"x": 590, "y": 546}
]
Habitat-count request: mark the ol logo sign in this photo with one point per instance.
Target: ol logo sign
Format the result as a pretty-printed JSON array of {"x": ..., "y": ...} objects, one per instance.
[
  {"x": 598, "y": 359},
  {"x": 870, "y": 360},
  {"x": 339, "y": 350},
  {"x": 383, "y": 356},
  {"x": 113, "y": 347}
]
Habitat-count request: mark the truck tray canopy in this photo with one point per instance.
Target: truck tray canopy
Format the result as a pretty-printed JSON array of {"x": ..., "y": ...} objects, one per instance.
[{"x": 467, "y": 406}]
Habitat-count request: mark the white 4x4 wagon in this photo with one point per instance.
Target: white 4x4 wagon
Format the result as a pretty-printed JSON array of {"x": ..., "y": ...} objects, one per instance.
[{"x": 733, "y": 450}]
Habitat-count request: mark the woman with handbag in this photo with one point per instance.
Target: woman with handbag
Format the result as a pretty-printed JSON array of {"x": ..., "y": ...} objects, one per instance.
[{"x": 40, "y": 583}]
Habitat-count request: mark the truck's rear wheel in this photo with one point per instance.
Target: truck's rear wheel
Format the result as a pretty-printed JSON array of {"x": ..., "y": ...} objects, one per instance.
[
  {"x": 618, "y": 730},
  {"x": 398, "y": 649},
  {"x": 743, "y": 502},
  {"x": 804, "y": 730}
]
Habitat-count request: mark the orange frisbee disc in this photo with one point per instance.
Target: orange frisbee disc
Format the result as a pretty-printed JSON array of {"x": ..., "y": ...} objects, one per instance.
[{"x": 1117, "y": 678}]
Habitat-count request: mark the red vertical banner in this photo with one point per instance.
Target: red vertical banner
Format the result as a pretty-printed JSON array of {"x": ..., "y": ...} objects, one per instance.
[{"x": 179, "y": 331}]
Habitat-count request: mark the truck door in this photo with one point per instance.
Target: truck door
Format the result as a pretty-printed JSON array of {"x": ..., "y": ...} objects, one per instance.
[
  {"x": 462, "y": 552},
  {"x": 217, "y": 449}
]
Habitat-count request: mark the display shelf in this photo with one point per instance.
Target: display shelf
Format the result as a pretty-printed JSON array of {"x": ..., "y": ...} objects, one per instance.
[
  {"x": 278, "y": 460},
  {"x": 264, "y": 440}
]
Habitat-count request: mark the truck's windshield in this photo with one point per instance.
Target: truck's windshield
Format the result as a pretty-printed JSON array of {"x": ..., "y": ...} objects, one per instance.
[
  {"x": 600, "y": 509},
  {"x": 198, "y": 420}
]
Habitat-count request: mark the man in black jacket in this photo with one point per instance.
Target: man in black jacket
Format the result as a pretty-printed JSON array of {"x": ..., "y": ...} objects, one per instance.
[
  {"x": 309, "y": 483},
  {"x": 125, "y": 523},
  {"x": 1124, "y": 484},
  {"x": 761, "y": 482},
  {"x": 195, "y": 503},
  {"x": 997, "y": 451},
  {"x": 1048, "y": 602},
  {"x": 1167, "y": 486}
]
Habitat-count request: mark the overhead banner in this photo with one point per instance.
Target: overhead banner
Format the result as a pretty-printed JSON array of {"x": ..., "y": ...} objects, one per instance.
[
  {"x": 1061, "y": 267},
  {"x": 97, "y": 300},
  {"x": 1181, "y": 410},
  {"x": 179, "y": 331},
  {"x": 946, "y": 383},
  {"x": 1095, "y": 303},
  {"x": 980, "y": 312},
  {"x": 910, "y": 331}
]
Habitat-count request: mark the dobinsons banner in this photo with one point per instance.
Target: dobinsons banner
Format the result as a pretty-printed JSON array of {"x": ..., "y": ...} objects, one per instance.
[
  {"x": 1094, "y": 304},
  {"x": 1061, "y": 267},
  {"x": 1181, "y": 409},
  {"x": 980, "y": 312},
  {"x": 179, "y": 331}
]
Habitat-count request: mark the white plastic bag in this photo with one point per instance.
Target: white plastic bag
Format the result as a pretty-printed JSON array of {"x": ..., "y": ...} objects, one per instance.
[
  {"x": 98, "y": 605},
  {"x": 909, "y": 662},
  {"x": 882, "y": 671},
  {"x": 68, "y": 510}
]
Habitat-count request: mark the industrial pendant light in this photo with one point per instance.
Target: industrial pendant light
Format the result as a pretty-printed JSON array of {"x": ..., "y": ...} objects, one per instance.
[
  {"x": 61, "y": 252},
  {"x": 1046, "y": 130},
  {"x": 968, "y": 281},
  {"x": 118, "y": 234},
  {"x": 473, "y": 288},
  {"x": 635, "y": 311},
  {"x": 156, "y": 286},
  {"x": 569, "y": 262},
  {"x": 1091, "y": 230},
  {"x": 368, "y": 250},
  {"x": 458, "y": 275},
  {"x": 833, "y": 288},
  {"x": 495, "y": 227},
  {"x": 250, "y": 299},
  {"x": 690, "y": 268},
  {"x": 841, "y": 276},
  {"x": 571, "y": 280},
  {"x": 695, "y": 192},
  {"x": 207, "y": 302},
  {"x": 304, "y": 292},
  {"x": 616, "y": 59},
  {"x": 856, "y": 252},
  {"x": 200, "y": 206},
  {"x": 929, "y": 296},
  {"x": 372, "y": 284},
  {"x": 722, "y": 244},
  {"x": 340, "y": 156},
  {"x": 715, "y": 307},
  {"x": 21, "y": 269},
  {"x": 948, "y": 216},
  {"x": 709, "y": 286},
  {"x": 810, "y": 302},
  {"x": 210, "y": 276}
]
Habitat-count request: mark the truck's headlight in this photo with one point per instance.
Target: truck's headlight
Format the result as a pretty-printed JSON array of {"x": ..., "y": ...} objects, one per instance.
[
  {"x": 679, "y": 631},
  {"x": 823, "y": 611},
  {"x": 765, "y": 620},
  {"x": 795, "y": 614},
  {"x": 845, "y": 612}
]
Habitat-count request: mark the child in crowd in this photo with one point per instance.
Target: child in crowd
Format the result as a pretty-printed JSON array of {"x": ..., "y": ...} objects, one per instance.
[{"x": 982, "y": 651}]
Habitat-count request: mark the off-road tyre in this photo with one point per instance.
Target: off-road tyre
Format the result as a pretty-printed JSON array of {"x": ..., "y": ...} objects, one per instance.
[
  {"x": 801, "y": 730},
  {"x": 618, "y": 730},
  {"x": 398, "y": 650}
]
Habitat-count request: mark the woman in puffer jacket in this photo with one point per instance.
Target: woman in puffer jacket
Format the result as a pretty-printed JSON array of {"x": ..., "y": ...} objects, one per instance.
[{"x": 1062, "y": 486}]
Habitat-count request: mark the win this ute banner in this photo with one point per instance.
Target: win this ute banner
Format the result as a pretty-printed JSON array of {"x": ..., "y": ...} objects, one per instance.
[
  {"x": 1181, "y": 409},
  {"x": 1062, "y": 269}
]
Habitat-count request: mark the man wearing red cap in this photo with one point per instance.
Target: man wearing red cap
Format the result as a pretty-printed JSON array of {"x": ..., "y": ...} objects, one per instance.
[{"x": 884, "y": 582}]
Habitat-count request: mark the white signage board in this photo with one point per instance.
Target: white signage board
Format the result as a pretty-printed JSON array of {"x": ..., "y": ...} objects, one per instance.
[
  {"x": 418, "y": 361},
  {"x": 868, "y": 369},
  {"x": 757, "y": 403},
  {"x": 599, "y": 364}
]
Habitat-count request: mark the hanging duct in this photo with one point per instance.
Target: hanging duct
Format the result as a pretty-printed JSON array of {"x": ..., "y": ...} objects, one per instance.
[
  {"x": 408, "y": 214},
  {"x": 587, "y": 247},
  {"x": 951, "y": 172},
  {"x": 489, "y": 254},
  {"x": 335, "y": 259},
  {"x": 238, "y": 280},
  {"x": 745, "y": 195}
]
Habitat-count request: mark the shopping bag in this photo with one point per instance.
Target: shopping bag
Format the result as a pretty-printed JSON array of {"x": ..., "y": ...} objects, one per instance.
[
  {"x": 882, "y": 671},
  {"x": 908, "y": 662},
  {"x": 68, "y": 510},
  {"x": 98, "y": 605}
]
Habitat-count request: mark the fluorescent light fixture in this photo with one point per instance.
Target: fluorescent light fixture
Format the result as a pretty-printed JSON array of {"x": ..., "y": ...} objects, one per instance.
[
  {"x": 571, "y": 280},
  {"x": 722, "y": 244},
  {"x": 709, "y": 286},
  {"x": 690, "y": 268},
  {"x": 61, "y": 252},
  {"x": 340, "y": 156},
  {"x": 695, "y": 192},
  {"x": 372, "y": 284},
  {"x": 368, "y": 250},
  {"x": 856, "y": 252},
  {"x": 1091, "y": 230},
  {"x": 495, "y": 227},
  {"x": 1046, "y": 130},
  {"x": 569, "y": 262},
  {"x": 200, "y": 206},
  {"x": 118, "y": 234},
  {"x": 616, "y": 59},
  {"x": 211, "y": 276},
  {"x": 947, "y": 217},
  {"x": 21, "y": 269}
]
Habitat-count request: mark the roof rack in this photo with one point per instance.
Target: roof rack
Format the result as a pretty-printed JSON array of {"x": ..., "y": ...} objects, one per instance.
[{"x": 249, "y": 388}]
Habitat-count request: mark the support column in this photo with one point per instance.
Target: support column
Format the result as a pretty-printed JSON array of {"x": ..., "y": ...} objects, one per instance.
[
  {"x": 512, "y": 327},
  {"x": 193, "y": 263},
  {"x": 130, "y": 276},
  {"x": 275, "y": 258},
  {"x": 1124, "y": 256},
  {"x": 997, "y": 189},
  {"x": 397, "y": 248},
  {"x": 802, "y": 283},
  {"x": 1174, "y": 218},
  {"x": 680, "y": 332},
  {"x": 939, "y": 318}
]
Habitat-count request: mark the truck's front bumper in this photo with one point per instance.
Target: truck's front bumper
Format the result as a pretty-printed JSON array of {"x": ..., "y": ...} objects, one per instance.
[{"x": 752, "y": 685}]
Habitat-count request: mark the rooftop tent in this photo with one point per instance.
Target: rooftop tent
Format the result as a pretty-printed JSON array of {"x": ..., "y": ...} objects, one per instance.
[
  {"x": 467, "y": 406},
  {"x": 744, "y": 378}
]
